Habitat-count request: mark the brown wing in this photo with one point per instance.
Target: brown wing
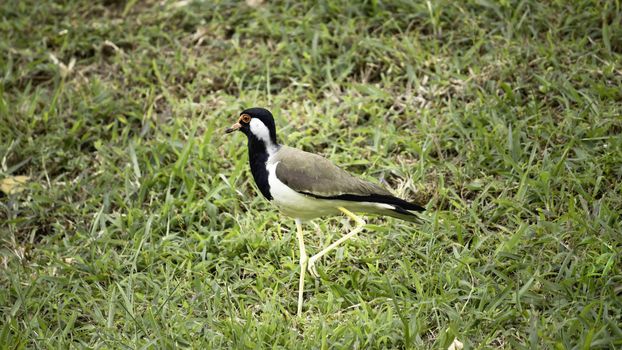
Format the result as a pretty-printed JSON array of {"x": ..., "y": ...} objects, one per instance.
[{"x": 313, "y": 174}]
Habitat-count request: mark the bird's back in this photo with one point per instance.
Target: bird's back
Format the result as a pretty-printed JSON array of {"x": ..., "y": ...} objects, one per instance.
[
  {"x": 317, "y": 178},
  {"x": 315, "y": 175}
]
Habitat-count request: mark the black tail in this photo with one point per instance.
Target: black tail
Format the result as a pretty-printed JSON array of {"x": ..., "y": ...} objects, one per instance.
[{"x": 401, "y": 209}]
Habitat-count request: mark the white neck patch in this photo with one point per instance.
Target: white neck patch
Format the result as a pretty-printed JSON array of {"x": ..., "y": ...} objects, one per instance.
[{"x": 259, "y": 129}]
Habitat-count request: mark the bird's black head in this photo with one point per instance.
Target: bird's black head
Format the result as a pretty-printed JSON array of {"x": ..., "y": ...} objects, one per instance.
[
  {"x": 258, "y": 126},
  {"x": 258, "y": 123}
]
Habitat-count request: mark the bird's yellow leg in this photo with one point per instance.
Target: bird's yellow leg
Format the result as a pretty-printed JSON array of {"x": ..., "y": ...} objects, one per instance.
[
  {"x": 359, "y": 227},
  {"x": 303, "y": 264}
]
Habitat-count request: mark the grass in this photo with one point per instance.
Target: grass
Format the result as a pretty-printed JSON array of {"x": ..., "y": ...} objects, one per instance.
[{"x": 140, "y": 226}]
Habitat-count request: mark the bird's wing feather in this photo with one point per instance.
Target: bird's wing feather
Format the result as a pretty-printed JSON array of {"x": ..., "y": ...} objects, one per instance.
[{"x": 315, "y": 175}]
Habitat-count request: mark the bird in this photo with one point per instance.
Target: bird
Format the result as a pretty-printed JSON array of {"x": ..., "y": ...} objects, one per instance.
[{"x": 304, "y": 186}]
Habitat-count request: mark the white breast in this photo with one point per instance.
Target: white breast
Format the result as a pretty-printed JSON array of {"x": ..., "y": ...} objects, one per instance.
[
  {"x": 300, "y": 206},
  {"x": 294, "y": 204}
]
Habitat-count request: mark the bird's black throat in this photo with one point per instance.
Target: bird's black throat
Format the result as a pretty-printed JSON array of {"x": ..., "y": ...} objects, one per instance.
[{"x": 257, "y": 158}]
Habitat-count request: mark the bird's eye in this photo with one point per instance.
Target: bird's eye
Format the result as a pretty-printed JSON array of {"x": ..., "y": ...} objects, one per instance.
[{"x": 245, "y": 118}]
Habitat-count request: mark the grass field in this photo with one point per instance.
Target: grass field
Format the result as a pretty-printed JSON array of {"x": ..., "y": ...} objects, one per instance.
[{"x": 140, "y": 226}]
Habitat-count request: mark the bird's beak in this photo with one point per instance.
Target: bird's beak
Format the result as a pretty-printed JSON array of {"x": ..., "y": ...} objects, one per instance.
[{"x": 233, "y": 128}]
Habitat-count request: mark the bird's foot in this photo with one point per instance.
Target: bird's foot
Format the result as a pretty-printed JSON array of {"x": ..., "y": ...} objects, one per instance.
[{"x": 311, "y": 267}]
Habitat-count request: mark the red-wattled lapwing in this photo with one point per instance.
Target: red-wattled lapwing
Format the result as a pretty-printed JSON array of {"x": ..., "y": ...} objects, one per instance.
[{"x": 304, "y": 186}]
